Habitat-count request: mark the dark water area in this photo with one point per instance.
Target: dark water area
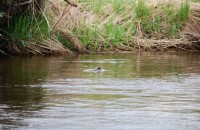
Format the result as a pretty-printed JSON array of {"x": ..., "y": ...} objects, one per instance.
[{"x": 136, "y": 91}]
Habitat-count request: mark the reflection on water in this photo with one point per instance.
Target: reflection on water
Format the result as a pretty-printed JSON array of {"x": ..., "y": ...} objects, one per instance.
[{"x": 137, "y": 91}]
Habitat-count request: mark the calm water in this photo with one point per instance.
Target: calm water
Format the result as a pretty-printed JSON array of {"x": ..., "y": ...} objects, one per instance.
[{"x": 146, "y": 91}]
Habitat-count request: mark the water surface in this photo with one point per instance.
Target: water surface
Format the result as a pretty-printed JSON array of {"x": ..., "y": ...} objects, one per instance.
[{"x": 137, "y": 91}]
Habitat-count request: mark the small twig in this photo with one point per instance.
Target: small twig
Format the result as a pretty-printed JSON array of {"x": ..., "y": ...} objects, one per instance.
[
  {"x": 24, "y": 3},
  {"x": 63, "y": 13},
  {"x": 72, "y": 4}
]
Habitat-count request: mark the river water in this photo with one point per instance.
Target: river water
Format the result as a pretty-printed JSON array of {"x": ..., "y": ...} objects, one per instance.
[{"x": 147, "y": 91}]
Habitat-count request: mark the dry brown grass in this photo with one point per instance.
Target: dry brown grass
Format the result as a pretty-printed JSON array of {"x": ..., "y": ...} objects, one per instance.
[
  {"x": 163, "y": 44},
  {"x": 192, "y": 27},
  {"x": 47, "y": 46},
  {"x": 63, "y": 16}
]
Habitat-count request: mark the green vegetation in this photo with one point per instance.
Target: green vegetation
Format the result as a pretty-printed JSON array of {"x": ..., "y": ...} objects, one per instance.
[
  {"x": 24, "y": 27},
  {"x": 141, "y": 9},
  {"x": 183, "y": 12},
  {"x": 98, "y": 25},
  {"x": 23, "y": 30},
  {"x": 117, "y": 22}
]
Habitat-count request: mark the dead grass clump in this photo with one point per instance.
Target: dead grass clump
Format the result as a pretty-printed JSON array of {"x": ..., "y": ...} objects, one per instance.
[
  {"x": 47, "y": 46},
  {"x": 162, "y": 45},
  {"x": 63, "y": 17},
  {"x": 65, "y": 33},
  {"x": 192, "y": 28}
]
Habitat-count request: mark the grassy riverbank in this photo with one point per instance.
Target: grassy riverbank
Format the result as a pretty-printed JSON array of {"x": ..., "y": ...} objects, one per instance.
[{"x": 103, "y": 26}]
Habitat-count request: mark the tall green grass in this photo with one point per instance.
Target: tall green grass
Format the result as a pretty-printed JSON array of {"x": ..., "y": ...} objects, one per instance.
[
  {"x": 99, "y": 6},
  {"x": 25, "y": 27},
  {"x": 89, "y": 36},
  {"x": 183, "y": 12},
  {"x": 177, "y": 20},
  {"x": 113, "y": 33},
  {"x": 141, "y": 9}
]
